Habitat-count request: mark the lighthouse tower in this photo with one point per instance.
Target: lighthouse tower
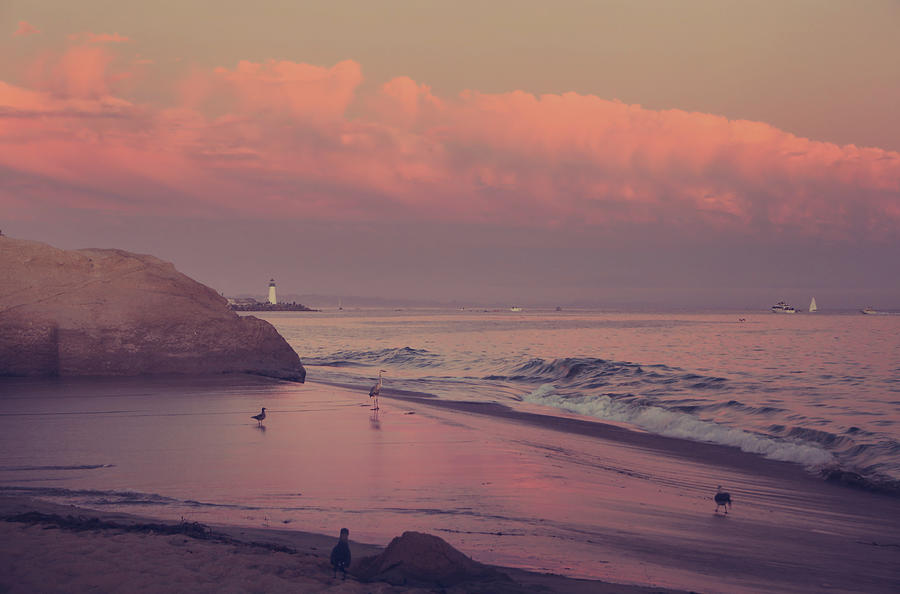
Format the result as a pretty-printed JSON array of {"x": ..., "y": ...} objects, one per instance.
[{"x": 272, "y": 298}]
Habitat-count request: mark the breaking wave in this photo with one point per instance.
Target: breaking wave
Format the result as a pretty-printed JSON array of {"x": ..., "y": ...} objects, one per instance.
[
  {"x": 658, "y": 398},
  {"x": 672, "y": 402},
  {"x": 681, "y": 425},
  {"x": 400, "y": 357},
  {"x": 592, "y": 373}
]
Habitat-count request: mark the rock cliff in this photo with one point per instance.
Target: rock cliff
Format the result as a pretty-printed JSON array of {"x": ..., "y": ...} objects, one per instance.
[{"x": 111, "y": 312}]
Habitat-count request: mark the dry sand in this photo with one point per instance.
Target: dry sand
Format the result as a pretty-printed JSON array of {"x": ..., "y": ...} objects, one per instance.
[{"x": 40, "y": 556}]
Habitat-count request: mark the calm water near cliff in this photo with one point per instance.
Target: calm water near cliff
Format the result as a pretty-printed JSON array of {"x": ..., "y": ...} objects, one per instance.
[{"x": 817, "y": 390}]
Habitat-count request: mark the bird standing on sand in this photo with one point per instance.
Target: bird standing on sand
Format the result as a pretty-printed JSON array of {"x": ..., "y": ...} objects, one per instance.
[
  {"x": 722, "y": 498},
  {"x": 259, "y": 418},
  {"x": 376, "y": 390}
]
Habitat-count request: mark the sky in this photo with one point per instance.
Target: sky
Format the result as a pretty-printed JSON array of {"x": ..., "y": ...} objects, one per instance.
[{"x": 692, "y": 153}]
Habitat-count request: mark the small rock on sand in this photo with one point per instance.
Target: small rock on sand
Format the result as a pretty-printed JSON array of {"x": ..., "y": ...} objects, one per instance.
[{"x": 417, "y": 559}]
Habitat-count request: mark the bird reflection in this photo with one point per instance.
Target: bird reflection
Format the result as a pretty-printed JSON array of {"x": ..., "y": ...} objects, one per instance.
[
  {"x": 375, "y": 420},
  {"x": 261, "y": 428}
]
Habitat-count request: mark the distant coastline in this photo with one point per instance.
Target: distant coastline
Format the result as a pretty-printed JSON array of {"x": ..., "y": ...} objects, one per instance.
[{"x": 262, "y": 306}]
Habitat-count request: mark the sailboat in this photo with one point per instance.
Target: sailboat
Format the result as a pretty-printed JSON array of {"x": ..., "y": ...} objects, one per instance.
[{"x": 812, "y": 306}]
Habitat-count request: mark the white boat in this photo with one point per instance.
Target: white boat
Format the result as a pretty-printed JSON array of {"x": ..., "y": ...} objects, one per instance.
[
  {"x": 515, "y": 308},
  {"x": 812, "y": 306},
  {"x": 873, "y": 312},
  {"x": 783, "y": 308}
]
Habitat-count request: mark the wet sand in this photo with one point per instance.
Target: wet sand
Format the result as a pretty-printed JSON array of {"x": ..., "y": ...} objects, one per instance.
[
  {"x": 510, "y": 487},
  {"x": 792, "y": 531}
]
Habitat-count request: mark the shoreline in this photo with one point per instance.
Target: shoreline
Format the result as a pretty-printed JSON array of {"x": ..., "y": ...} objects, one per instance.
[
  {"x": 696, "y": 451},
  {"x": 43, "y": 560}
]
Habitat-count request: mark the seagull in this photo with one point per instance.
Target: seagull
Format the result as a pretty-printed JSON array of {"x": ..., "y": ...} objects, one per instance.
[
  {"x": 376, "y": 390},
  {"x": 259, "y": 418},
  {"x": 722, "y": 498}
]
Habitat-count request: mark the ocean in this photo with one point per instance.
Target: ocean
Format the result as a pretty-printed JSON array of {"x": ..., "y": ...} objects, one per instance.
[{"x": 817, "y": 389}]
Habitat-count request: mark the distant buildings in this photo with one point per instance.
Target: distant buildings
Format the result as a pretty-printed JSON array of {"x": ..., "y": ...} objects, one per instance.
[{"x": 242, "y": 301}]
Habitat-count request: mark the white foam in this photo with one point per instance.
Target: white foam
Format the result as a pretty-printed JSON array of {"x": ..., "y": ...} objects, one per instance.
[{"x": 682, "y": 425}]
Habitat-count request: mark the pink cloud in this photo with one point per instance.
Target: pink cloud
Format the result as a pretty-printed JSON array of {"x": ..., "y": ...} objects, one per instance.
[
  {"x": 80, "y": 71},
  {"x": 404, "y": 102},
  {"x": 280, "y": 139},
  {"x": 25, "y": 28}
]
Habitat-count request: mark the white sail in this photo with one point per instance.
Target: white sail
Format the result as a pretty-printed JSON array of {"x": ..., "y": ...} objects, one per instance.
[{"x": 812, "y": 305}]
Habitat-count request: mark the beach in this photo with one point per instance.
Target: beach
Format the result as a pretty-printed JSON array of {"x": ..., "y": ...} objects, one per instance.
[
  {"x": 114, "y": 552},
  {"x": 530, "y": 488}
]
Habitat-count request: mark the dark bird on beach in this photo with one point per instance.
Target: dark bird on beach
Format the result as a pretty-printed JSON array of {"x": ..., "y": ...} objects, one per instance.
[
  {"x": 723, "y": 498},
  {"x": 259, "y": 418},
  {"x": 376, "y": 390}
]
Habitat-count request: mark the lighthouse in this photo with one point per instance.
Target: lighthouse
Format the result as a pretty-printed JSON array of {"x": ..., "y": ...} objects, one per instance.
[{"x": 272, "y": 298}]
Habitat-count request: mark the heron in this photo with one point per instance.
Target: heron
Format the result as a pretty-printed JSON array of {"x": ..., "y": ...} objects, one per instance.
[
  {"x": 376, "y": 389},
  {"x": 723, "y": 498},
  {"x": 259, "y": 418}
]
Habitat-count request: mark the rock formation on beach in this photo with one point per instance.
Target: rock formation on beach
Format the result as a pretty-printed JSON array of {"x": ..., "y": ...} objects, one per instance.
[
  {"x": 419, "y": 559},
  {"x": 111, "y": 312}
]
